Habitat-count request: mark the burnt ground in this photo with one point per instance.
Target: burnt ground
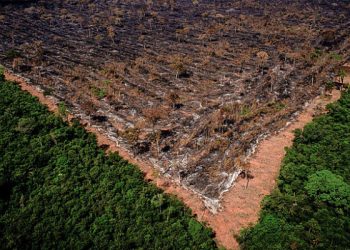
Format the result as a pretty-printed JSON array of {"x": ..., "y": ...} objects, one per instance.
[{"x": 190, "y": 86}]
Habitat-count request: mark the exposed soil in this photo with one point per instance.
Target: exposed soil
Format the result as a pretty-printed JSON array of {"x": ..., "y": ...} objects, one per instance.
[
  {"x": 241, "y": 204},
  {"x": 188, "y": 88}
]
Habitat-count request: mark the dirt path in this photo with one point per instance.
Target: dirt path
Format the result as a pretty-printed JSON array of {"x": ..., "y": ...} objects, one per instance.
[{"x": 241, "y": 205}]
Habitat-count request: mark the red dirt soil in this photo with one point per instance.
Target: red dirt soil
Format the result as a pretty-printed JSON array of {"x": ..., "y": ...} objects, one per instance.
[{"x": 240, "y": 205}]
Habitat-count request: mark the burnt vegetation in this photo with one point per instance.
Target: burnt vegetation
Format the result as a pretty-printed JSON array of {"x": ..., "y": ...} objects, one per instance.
[{"x": 188, "y": 85}]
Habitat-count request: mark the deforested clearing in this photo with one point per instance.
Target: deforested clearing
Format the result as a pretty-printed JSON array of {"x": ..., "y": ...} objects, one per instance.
[{"x": 190, "y": 88}]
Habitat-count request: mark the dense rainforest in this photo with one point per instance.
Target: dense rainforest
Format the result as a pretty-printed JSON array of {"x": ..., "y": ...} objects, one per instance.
[
  {"x": 310, "y": 208},
  {"x": 59, "y": 190}
]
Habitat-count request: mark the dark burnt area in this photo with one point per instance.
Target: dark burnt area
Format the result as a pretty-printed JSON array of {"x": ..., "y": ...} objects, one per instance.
[{"x": 120, "y": 59}]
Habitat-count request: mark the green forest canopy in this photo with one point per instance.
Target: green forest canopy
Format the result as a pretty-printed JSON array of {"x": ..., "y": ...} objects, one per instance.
[
  {"x": 59, "y": 190},
  {"x": 310, "y": 209}
]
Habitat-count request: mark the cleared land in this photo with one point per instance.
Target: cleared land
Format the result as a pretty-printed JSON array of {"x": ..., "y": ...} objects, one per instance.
[{"x": 188, "y": 87}]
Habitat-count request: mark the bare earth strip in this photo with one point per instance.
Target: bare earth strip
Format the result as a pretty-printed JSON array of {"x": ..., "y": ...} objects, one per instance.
[{"x": 240, "y": 205}]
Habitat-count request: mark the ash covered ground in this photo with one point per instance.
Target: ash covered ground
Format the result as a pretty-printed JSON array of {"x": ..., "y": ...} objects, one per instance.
[{"x": 190, "y": 86}]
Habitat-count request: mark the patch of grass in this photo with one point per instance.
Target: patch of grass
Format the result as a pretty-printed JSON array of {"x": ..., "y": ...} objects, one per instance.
[
  {"x": 245, "y": 111},
  {"x": 336, "y": 57},
  {"x": 99, "y": 92}
]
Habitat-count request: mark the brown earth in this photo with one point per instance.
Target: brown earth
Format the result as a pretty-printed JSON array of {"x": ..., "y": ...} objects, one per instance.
[{"x": 241, "y": 204}]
